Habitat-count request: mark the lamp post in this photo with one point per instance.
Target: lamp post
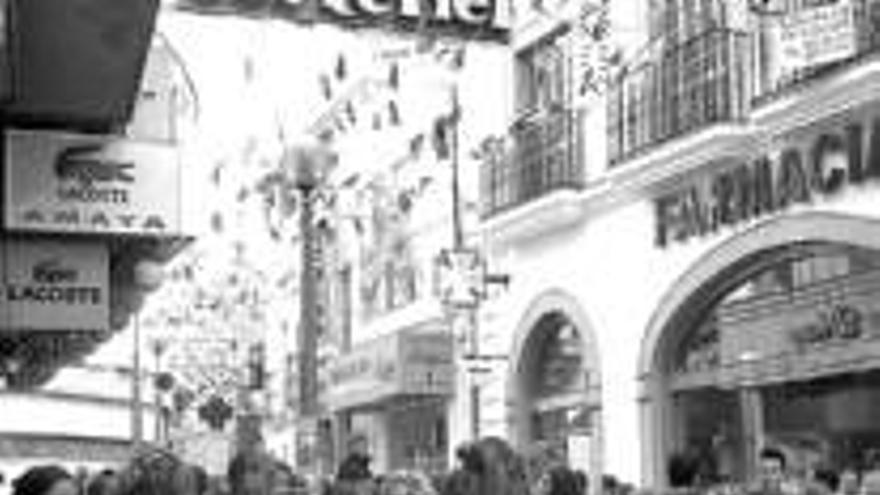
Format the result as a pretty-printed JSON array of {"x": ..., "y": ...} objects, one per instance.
[
  {"x": 306, "y": 165},
  {"x": 463, "y": 291}
]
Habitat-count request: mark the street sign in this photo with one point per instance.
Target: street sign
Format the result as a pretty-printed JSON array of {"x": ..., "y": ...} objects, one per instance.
[{"x": 462, "y": 275}]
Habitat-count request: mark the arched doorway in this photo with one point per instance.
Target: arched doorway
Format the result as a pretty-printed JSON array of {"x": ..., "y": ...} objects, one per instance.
[
  {"x": 772, "y": 339},
  {"x": 554, "y": 385}
]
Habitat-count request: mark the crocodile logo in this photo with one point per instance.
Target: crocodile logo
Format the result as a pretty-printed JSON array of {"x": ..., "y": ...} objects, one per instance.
[{"x": 83, "y": 164}]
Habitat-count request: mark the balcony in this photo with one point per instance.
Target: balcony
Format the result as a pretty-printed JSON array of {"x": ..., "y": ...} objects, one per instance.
[
  {"x": 547, "y": 156},
  {"x": 779, "y": 77},
  {"x": 672, "y": 90}
]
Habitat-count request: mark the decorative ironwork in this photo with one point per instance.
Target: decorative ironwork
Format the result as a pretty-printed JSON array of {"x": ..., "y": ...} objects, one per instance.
[{"x": 675, "y": 88}]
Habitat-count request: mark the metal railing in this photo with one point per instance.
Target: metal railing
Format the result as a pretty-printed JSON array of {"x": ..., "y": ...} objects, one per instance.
[
  {"x": 774, "y": 79},
  {"x": 547, "y": 155},
  {"x": 675, "y": 88}
]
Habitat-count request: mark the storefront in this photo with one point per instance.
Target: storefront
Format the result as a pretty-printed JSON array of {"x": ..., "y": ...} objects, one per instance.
[
  {"x": 770, "y": 338},
  {"x": 391, "y": 397},
  {"x": 717, "y": 285}
]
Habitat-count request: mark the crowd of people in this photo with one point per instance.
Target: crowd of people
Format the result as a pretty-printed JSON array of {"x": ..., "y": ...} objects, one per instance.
[{"x": 487, "y": 467}]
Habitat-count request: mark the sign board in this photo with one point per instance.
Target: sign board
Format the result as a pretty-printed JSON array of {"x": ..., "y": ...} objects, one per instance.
[
  {"x": 53, "y": 285},
  {"x": 462, "y": 276},
  {"x": 807, "y": 168},
  {"x": 404, "y": 363},
  {"x": 817, "y": 35},
  {"x": 469, "y": 19},
  {"x": 91, "y": 184},
  {"x": 578, "y": 451}
]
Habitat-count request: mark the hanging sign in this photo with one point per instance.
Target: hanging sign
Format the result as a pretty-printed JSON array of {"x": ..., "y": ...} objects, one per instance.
[
  {"x": 91, "y": 184},
  {"x": 817, "y": 35},
  {"x": 469, "y": 19},
  {"x": 53, "y": 285}
]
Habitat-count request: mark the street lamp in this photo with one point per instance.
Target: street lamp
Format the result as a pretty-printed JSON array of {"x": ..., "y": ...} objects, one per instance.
[{"x": 307, "y": 165}]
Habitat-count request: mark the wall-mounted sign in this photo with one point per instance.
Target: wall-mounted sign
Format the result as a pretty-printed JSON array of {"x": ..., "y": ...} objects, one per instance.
[
  {"x": 404, "y": 363},
  {"x": 477, "y": 19},
  {"x": 51, "y": 285},
  {"x": 817, "y": 35},
  {"x": 95, "y": 184},
  {"x": 840, "y": 323},
  {"x": 769, "y": 183}
]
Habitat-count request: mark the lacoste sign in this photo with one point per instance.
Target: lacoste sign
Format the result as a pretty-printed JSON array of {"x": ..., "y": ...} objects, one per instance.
[
  {"x": 53, "y": 285},
  {"x": 97, "y": 184}
]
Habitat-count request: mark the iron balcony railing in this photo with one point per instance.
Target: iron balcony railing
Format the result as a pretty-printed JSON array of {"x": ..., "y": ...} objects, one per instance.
[
  {"x": 547, "y": 155},
  {"x": 675, "y": 88},
  {"x": 775, "y": 79}
]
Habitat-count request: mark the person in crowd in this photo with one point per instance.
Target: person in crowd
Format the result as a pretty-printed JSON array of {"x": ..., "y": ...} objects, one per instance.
[
  {"x": 773, "y": 476},
  {"x": 45, "y": 480},
  {"x": 355, "y": 477},
  {"x": 849, "y": 483},
  {"x": 103, "y": 483},
  {"x": 157, "y": 472},
  {"x": 560, "y": 480},
  {"x": 251, "y": 473},
  {"x": 871, "y": 483}
]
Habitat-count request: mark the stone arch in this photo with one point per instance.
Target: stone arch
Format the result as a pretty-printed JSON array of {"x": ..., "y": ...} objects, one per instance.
[
  {"x": 706, "y": 281},
  {"x": 547, "y": 303}
]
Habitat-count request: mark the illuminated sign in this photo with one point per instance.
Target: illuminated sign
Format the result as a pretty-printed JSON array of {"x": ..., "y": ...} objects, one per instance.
[
  {"x": 471, "y": 19},
  {"x": 95, "y": 184},
  {"x": 769, "y": 183}
]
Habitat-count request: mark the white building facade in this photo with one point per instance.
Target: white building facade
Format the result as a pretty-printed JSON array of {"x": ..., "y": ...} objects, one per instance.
[{"x": 705, "y": 260}]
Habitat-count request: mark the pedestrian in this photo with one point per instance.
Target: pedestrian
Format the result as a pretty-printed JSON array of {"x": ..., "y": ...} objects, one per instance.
[
  {"x": 45, "y": 480},
  {"x": 157, "y": 472},
  {"x": 560, "y": 480},
  {"x": 849, "y": 483},
  {"x": 103, "y": 483},
  {"x": 251, "y": 473}
]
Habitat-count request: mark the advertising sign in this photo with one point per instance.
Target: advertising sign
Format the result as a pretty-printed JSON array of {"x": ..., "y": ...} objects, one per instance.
[
  {"x": 400, "y": 364},
  {"x": 817, "y": 35},
  {"x": 91, "y": 184},
  {"x": 471, "y": 19},
  {"x": 50, "y": 285}
]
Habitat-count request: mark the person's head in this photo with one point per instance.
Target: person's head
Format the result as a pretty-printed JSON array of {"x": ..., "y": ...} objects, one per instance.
[
  {"x": 560, "y": 481},
  {"x": 849, "y": 482},
  {"x": 103, "y": 483},
  {"x": 772, "y": 467},
  {"x": 45, "y": 480},
  {"x": 251, "y": 473},
  {"x": 157, "y": 472}
]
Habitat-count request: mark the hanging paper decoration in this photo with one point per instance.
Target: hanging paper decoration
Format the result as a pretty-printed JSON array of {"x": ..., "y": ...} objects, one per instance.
[
  {"x": 394, "y": 76},
  {"x": 350, "y": 113},
  {"x": 326, "y": 87},
  {"x": 341, "y": 68},
  {"x": 217, "y": 222},
  {"x": 440, "y": 138},
  {"x": 393, "y": 113},
  {"x": 248, "y": 69},
  {"x": 416, "y": 144}
]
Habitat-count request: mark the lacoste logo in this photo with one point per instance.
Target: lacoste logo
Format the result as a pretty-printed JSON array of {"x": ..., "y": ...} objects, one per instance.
[
  {"x": 84, "y": 164},
  {"x": 52, "y": 271}
]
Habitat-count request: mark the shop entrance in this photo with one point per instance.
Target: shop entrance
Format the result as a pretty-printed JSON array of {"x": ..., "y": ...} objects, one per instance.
[
  {"x": 780, "y": 347},
  {"x": 555, "y": 387}
]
